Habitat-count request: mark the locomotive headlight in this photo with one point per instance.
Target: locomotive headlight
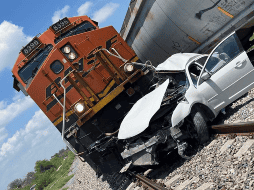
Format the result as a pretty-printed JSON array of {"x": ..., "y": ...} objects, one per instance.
[
  {"x": 67, "y": 49},
  {"x": 128, "y": 68},
  {"x": 79, "y": 107},
  {"x": 72, "y": 56}
]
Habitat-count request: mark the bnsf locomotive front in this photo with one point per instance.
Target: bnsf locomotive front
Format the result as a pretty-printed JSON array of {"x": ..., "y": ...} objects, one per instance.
[{"x": 80, "y": 72}]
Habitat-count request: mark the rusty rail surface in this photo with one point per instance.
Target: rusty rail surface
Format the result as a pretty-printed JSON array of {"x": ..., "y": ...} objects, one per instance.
[
  {"x": 245, "y": 127},
  {"x": 147, "y": 182}
]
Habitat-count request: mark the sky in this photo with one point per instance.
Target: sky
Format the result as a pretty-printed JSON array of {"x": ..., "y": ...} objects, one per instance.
[{"x": 26, "y": 134}]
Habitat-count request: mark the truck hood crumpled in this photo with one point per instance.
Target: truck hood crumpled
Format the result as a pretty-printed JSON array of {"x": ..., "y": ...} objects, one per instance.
[
  {"x": 176, "y": 62},
  {"x": 138, "y": 118}
]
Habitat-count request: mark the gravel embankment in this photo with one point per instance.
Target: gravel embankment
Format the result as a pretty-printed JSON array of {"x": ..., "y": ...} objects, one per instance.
[
  {"x": 224, "y": 170},
  {"x": 85, "y": 178},
  {"x": 241, "y": 110}
]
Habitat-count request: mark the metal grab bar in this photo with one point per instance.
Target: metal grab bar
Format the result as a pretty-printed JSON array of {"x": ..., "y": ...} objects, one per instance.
[
  {"x": 125, "y": 61},
  {"x": 145, "y": 64},
  {"x": 63, "y": 127},
  {"x": 117, "y": 56},
  {"x": 57, "y": 100}
]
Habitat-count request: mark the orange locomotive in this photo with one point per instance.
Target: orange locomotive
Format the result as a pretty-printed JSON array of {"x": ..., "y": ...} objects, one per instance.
[{"x": 78, "y": 71}]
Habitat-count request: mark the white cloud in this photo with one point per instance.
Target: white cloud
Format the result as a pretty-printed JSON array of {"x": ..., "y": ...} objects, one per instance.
[
  {"x": 84, "y": 8},
  {"x": 3, "y": 136},
  {"x": 35, "y": 126},
  {"x": 105, "y": 12},
  {"x": 60, "y": 13},
  {"x": 11, "y": 111},
  {"x": 17, "y": 96},
  {"x": 14, "y": 109},
  {"x": 12, "y": 39},
  {"x": 38, "y": 140},
  {"x": 3, "y": 104}
]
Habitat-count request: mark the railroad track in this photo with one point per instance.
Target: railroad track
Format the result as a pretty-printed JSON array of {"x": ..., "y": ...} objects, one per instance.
[{"x": 230, "y": 156}]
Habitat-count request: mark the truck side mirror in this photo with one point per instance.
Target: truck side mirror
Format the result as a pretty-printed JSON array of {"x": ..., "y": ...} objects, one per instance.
[{"x": 205, "y": 76}]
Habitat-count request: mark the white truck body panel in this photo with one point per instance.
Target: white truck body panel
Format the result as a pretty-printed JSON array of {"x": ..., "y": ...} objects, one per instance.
[{"x": 138, "y": 118}]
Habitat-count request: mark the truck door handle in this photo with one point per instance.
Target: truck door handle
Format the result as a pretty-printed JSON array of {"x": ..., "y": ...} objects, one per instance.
[{"x": 239, "y": 63}]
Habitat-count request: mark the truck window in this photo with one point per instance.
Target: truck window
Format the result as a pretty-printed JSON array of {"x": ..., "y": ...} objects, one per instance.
[
  {"x": 30, "y": 69},
  {"x": 83, "y": 27},
  {"x": 223, "y": 54},
  {"x": 202, "y": 60}
]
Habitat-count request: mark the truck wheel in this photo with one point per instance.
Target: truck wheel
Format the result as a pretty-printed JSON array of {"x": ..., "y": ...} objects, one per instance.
[{"x": 200, "y": 126}]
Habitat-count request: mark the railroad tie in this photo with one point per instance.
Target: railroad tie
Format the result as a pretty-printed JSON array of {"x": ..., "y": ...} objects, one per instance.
[
  {"x": 187, "y": 182},
  {"x": 205, "y": 186},
  {"x": 226, "y": 145},
  {"x": 244, "y": 148},
  {"x": 172, "y": 180},
  {"x": 211, "y": 144}
]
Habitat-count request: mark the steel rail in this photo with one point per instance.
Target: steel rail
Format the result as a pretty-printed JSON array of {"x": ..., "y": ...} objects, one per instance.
[
  {"x": 147, "y": 182},
  {"x": 245, "y": 127}
]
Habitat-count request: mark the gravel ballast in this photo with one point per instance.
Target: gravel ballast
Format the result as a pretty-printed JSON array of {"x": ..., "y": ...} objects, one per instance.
[
  {"x": 85, "y": 178},
  {"x": 223, "y": 169}
]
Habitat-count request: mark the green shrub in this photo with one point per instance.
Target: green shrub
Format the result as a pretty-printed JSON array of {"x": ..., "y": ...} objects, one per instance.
[
  {"x": 56, "y": 179},
  {"x": 56, "y": 161},
  {"x": 44, "y": 179},
  {"x": 61, "y": 176},
  {"x": 61, "y": 182},
  {"x": 43, "y": 163}
]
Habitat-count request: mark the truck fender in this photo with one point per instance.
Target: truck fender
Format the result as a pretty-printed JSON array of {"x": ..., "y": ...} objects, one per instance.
[
  {"x": 181, "y": 111},
  {"x": 184, "y": 109}
]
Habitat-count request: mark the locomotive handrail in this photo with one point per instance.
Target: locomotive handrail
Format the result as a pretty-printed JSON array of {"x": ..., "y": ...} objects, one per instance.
[
  {"x": 63, "y": 127},
  {"x": 145, "y": 64},
  {"x": 117, "y": 56},
  {"x": 57, "y": 100},
  {"x": 125, "y": 61}
]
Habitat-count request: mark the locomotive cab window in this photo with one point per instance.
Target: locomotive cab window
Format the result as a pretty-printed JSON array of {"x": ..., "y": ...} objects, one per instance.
[
  {"x": 28, "y": 72},
  {"x": 56, "y": 67},
  {"x": 81, "y": 28}
]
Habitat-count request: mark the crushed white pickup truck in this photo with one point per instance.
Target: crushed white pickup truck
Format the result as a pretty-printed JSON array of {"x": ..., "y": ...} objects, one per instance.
[{"x": 191, "y": 90}]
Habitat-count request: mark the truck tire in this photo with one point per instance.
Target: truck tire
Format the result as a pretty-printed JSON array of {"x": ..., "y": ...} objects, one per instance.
[{"x": 200, "y": 126}]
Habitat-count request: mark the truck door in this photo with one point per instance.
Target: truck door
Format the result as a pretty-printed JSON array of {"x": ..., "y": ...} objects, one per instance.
[{"x": 231, "y": 74}]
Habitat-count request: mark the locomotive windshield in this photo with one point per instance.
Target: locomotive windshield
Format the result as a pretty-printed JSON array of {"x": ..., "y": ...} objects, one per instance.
[
  {"x": 30, "y": 69},
  {"x": 83, "y": 27}
]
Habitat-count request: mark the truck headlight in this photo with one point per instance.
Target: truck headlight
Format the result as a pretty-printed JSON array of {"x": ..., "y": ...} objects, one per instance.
[
  {"x": 79, "y": 107},
  {"x": 128, "y": 67}
]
